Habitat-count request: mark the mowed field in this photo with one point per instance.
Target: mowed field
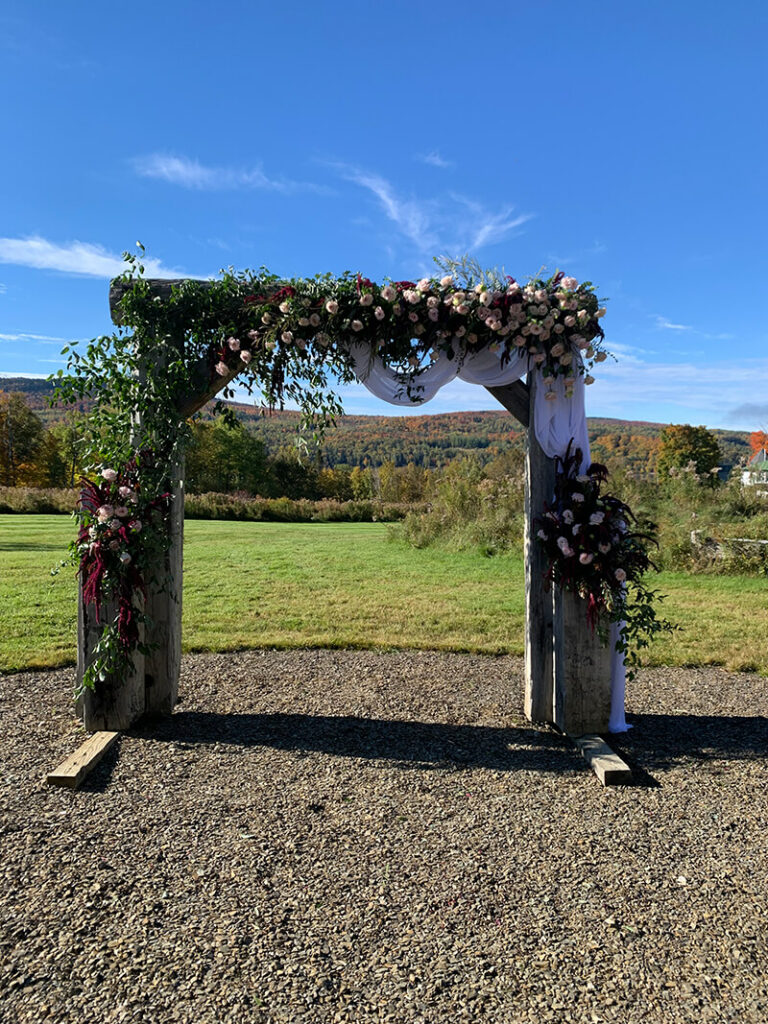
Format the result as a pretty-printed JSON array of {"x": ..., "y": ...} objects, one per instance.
[{"x": 249, "y": 585}]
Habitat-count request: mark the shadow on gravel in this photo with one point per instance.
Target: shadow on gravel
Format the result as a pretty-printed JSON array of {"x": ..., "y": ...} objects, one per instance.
[
  {"x": 414, "y": 744},
  {"x": 663, "y": 741}
]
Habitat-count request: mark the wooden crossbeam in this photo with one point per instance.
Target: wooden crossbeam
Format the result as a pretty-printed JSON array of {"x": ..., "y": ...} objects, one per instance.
[
  {"x": 606, "y": 765},
  {"x": 71, "y": 772}
]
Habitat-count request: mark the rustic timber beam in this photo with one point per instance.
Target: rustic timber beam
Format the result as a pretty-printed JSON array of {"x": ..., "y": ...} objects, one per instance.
[
  {"x": 515, "y": 399},
  {"x": 71, "y": 772}
]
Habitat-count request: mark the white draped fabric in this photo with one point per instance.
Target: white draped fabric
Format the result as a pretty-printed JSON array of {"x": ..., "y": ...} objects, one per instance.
[{"x": 555, "y": 421}]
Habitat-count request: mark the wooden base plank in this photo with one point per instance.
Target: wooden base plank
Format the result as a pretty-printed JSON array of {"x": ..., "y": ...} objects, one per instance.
[
  {"x": 606, "y": 765},
  {"x": 71, "y": 772}
]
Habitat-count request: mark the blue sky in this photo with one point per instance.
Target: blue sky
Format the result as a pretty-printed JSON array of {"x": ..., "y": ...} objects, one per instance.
[{"x": 623, "y": 143}]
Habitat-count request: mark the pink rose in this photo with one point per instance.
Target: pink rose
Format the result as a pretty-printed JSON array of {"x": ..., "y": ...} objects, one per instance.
[
  {"x": 222, "y": 369},
  {"x": 388, "y": 293},
  {"x": 234, "y": 344},
  {"x": 570, "y": 321},
  {"x": 285, "y": 307},
  {"x": 114, "y": 545},
  {"x": 424, "y": 284},
  {"x": 356, "y": 325},
  {"x": 332, "y": 306},
  {"x": 110, "y": 475},
  {"x": 586, "y": 559},
  {"x": 314, "y": 320},
  {"x": 413, "y": 317},
  {"x": 379, "y": 313},
  {"x": 245, "y": 356},
  {"x": 121, "y": 511},
  {"x": 287, "y": 337},
  {"x": 135, "y": 526},
  {"x": 412, "y": 295},
  {"x": 569, "y": 283},
  {"x": 461, "y": 331},
  {"x": 446, "y": 281},
  {"x": 366, "y": 299},
  {"x": 105, "y": 512},
  {"x": 303, "y": 321},
  {"x": 620, "y": 575},
  {"x": 557, "y": 349},
  {"x": 432, "y": 314}
]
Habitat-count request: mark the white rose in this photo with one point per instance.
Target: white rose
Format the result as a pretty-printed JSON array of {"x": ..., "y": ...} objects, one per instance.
[
  {"x": 424, "y": 284},
  {"x": 569, "y": 283},
  {"x": 570, "y": 321},
  {"x": 366, "y": 299},
  {"x": 110, "y": 475},
  {"x": 446, "y": 281},
  {"x": 388, "y": 293},
  {"x": 245, "y": 356},
  {"x": 234, "y": 344},
  {"x": 356, "y": 325},
  {"x": 285, "y": 307},
  {"x": 332, "y": 306}
]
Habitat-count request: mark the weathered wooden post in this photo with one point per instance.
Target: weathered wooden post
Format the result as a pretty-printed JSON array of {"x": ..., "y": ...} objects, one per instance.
[
  {"x": 582, "y": 669},
  {"x": 567, "y": 670}
]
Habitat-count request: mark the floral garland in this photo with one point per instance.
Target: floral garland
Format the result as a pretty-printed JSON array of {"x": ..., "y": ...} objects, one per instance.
[
  {"x": 593, "y": 551},
  {"x": 555, "y": 322},
  {"x": 121, "y": 534}
]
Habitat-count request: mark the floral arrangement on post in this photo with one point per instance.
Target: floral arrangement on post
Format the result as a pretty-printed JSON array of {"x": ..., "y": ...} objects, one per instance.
[
  {"x": 594, "y": 551},
  {"x": 120, "y": 538}
]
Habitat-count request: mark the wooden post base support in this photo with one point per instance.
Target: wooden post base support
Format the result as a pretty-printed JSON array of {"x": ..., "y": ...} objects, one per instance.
[
  {"x": 70, "y": 773},
  {"x": 606, "y": 765}
]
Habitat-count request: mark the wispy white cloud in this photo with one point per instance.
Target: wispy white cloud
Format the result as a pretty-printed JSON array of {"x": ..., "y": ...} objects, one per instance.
[
  {"x": 661, "y": 321},
  {"x": 191, "y": 174},
  {"x": 48, "y": 338},
  {"x": 3, "y": 288},
  {"x": 708, "y": 392},
  {"x": 82, "y": 258},
  {"x": 16, "y": 373},
  {"x": 434, "y": 160},
  {"x": 454, "y": 223}
]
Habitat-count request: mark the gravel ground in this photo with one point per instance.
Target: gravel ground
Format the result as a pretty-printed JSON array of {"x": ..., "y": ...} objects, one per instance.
[{"x": 325, "y": 836}]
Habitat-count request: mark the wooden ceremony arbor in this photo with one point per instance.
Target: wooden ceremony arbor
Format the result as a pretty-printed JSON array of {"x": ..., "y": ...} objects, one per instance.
[{"x": 567, "y": 671}]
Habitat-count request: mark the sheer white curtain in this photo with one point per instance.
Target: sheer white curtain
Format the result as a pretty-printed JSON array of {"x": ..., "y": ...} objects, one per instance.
[{"x": 555, "y": 421}]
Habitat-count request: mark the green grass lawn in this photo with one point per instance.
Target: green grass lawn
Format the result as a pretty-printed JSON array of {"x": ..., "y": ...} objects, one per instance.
[{"x": 346, "y": 585}]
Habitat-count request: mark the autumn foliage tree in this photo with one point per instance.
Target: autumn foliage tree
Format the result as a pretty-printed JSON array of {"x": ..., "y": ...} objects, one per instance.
[
  {"x": 683, "y": 445},
  {"x": 758, "y": 440}
]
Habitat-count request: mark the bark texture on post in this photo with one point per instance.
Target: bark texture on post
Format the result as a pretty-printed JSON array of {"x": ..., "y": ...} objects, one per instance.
[
  {"x": 163, "y": 663},
  {"x": 582, "y": 669},
  {"x": 539, "y": 636},
  {"x": 117, "y": 702}
]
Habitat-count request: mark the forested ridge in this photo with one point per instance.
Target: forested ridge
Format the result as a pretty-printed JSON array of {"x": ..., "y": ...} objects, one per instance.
[{"x": 426, "y": 441}]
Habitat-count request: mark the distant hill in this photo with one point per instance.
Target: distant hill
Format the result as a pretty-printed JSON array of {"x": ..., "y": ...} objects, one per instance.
[{"x": 428, "y": 440}]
